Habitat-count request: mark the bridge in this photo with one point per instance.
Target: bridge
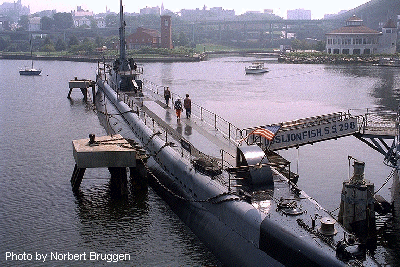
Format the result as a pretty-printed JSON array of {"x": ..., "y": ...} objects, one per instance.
[{"x": 373, "y": 128}]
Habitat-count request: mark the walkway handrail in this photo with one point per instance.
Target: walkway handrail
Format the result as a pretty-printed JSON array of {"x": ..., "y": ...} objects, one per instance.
[
  {"x": 165, "y": 134},
  {"x": 226, "y": 128},
  {"x": 376, "y": 121}
]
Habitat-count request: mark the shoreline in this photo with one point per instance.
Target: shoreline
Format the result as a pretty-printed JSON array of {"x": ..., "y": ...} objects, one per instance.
[
  {"x": 292, "y": 58},
  {"x": 170, "y": 59},
  {"x": 332, "y": 59}
]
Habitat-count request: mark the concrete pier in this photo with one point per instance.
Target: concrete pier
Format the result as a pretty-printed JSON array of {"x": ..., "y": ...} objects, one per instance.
[
  {"x": 83, "y": 85},
  {"x": 112, "y": 152}
]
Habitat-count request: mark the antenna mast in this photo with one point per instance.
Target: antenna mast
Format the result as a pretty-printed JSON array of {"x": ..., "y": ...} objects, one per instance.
[{"x": 122, "y": 57}]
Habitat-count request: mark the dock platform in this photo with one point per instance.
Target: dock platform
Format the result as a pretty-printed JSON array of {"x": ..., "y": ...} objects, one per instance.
[{"x": 112, "y": 152}]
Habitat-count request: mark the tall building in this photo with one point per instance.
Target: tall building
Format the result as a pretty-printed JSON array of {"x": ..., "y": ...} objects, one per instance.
[
  {"x": 299, "y": 14},
  {"x": 166, "y": 32}
]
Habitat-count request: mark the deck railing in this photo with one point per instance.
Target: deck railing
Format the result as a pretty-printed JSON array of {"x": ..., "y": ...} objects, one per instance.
[
  {"x": 228, "y": 130},
  {"x": 183, "y": 146}
]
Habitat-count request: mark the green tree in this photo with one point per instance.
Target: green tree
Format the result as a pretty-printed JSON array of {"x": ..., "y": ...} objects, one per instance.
[
  {"x": 320, "y": 46},
  {"x": 181, "y": 40},
  {"x": 47, "y": 23},
  {"x": 111, "y": 20},
  {"x": 48, "y": 45},
  {"x": 99, "y": 41},
  {"x": 60, "y": 45},
  {"x": 4, "y": 44},
  {"x": 47, "y": 41},
  {"x": 24, "y": 22},
  {"x": 93, "y": 23},
  {"x": 88, "y": 46},
  {"x": 63, "y": 21},
  {"x": 73, "y": 40}
]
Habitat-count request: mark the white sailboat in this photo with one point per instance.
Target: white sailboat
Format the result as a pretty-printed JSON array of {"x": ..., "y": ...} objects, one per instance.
[{"x": 30, "y": 71}]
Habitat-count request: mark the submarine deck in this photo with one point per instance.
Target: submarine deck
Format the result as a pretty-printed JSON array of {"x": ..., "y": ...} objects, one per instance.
[{"x": 203, "y": 137}]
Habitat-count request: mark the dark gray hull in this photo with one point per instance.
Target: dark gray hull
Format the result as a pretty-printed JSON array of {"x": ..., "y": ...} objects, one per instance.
[{"x": 239, "y": 233}]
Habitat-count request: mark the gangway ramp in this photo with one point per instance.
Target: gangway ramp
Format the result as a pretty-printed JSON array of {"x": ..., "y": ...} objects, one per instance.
[
  {"x": 307, "y": 131},
  {"x": 377, "y": 129}
]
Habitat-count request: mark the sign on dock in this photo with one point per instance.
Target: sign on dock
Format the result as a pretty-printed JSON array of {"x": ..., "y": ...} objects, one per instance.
[
  {"x": 314, "y": 133},
  {"x": 308, "y": 131}
]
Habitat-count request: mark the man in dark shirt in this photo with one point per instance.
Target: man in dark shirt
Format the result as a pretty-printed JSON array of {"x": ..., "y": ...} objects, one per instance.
[{"x": 187, "y": 104}]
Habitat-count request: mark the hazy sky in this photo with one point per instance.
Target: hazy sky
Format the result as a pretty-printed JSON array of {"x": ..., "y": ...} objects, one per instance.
[{"x": 318, "y": 8}]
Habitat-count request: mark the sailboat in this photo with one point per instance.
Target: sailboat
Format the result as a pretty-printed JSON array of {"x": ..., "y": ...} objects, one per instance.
[{"x": 30, "y": 71}]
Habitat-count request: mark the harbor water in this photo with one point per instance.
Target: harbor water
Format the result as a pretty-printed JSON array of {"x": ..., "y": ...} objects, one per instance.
[{"x": 44, "y": 224}]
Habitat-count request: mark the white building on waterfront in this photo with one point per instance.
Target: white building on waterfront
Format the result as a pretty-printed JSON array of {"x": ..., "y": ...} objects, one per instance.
[{"x": 357, "y": 39}]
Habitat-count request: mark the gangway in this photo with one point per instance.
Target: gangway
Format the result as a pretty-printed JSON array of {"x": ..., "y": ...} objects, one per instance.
[
  {"x": 372, "y": 128},
  {"x": 379, "y": 128}
]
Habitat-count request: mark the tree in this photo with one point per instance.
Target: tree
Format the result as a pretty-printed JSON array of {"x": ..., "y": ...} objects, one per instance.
[
  {"x": 48, "y": 48},
  {"x": 24, "y": 22},
  {"x": 47, "y": 23},
  {"x": 181, "y": 40},
  {"x": 47, "y": 41},
  {"x": 111, "y": 20},
  {"x": 48, "y": 45},
  {"x": 99, "y": 41},
  {"x": 93, "y": 23},
  {"x": 63, "y": 21},
  {"x": 320, "y": 46},
  {"x": 73, "y": 41},
  {"x": 60, "y": 45},
  {"x": 4, "y": 44},
  {"x": 88, "y": 46}
]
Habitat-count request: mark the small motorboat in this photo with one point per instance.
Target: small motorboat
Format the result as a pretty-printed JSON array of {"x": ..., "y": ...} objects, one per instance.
[{"x": 255, "y": 68}]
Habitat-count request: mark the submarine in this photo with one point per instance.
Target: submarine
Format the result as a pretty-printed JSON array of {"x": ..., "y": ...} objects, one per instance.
[{"x": 242, "y": 205}]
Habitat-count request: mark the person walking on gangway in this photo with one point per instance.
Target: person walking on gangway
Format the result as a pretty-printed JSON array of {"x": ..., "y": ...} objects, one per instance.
[
  {"x": 167, "y": 95},
  {"x": 178, "y": 109},
  {"x": 187, "y": 104}
]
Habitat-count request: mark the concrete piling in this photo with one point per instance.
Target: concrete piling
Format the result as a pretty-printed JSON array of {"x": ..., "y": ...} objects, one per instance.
[
  {"x": 83, "y": 85},
  {"x": 112, "y": 152}
]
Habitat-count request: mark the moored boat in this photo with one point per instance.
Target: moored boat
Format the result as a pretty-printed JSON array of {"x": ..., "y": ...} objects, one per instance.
[
  {"x": 256, "y": 68},
  {"x": 30, "y": 71}
]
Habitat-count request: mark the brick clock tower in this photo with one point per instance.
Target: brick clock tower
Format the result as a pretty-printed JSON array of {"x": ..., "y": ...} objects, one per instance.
[{"x": 166, "y": 32}]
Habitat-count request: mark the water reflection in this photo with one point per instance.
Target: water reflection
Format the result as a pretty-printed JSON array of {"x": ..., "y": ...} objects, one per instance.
[
  {"x": 188, "y": 129},
  {"x": 386, "y": 91},
  {"x": 112, "y": 220},
  {"x": 168, "y": 115},
  {"x": 179, "y": 127},
  {"x": 385, "y": 87}
]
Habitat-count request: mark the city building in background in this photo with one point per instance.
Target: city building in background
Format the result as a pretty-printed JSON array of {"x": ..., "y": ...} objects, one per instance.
[
  {"x": 299, "y": 14},
  {"x": 356, "y": 39}
]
